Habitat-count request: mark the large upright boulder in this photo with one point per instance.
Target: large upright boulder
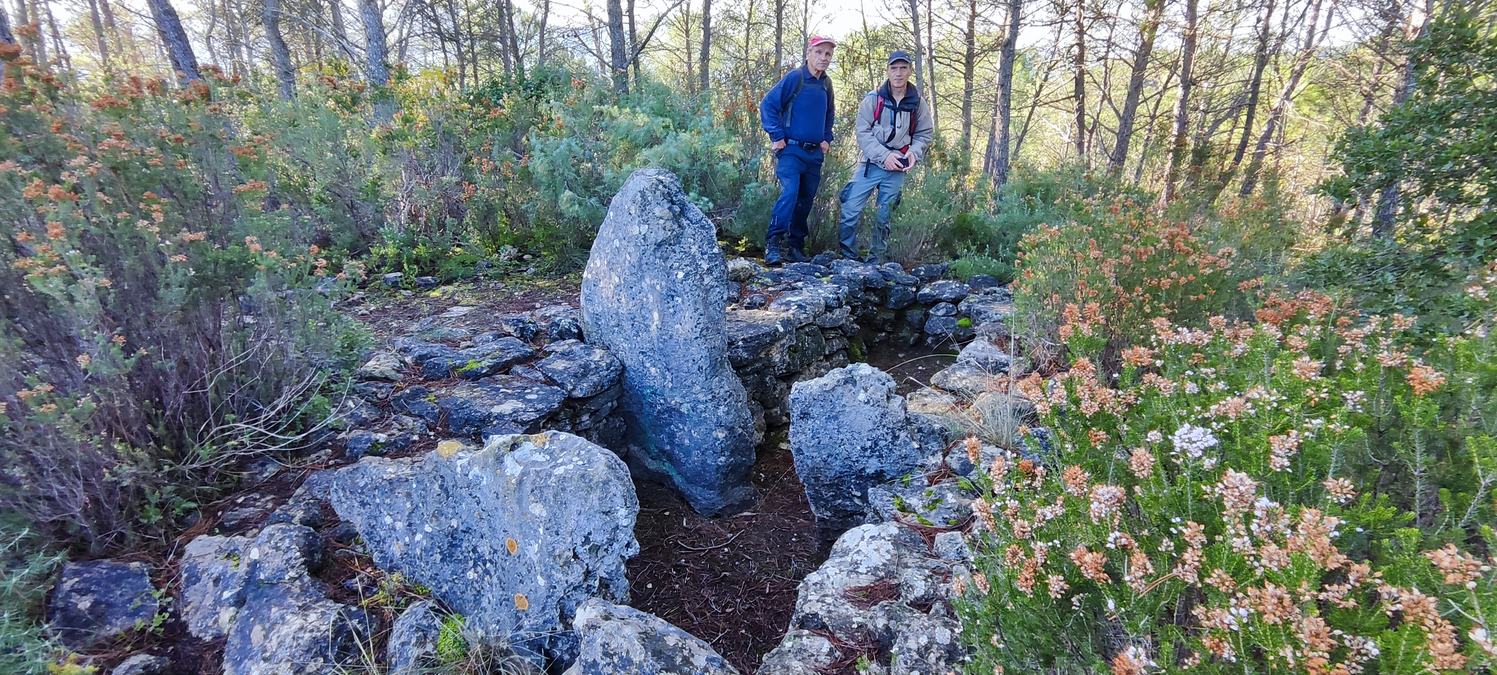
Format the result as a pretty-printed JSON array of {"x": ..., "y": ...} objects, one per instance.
[
  {"x": 655, "y": 294},
  {"x": 513, "y": 536},
  {"x": 849, "y": 431}
]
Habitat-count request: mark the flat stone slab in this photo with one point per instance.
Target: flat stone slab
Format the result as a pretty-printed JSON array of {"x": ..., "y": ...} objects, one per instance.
[
  {"x": 100, "y": 599},
  {"x": 502, "y": 404}
]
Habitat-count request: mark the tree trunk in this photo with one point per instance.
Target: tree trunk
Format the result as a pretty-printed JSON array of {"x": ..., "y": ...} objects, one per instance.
[
  {"x": 9, "y": 48},
  {"x": 1286, "y": 96},
  {"x": 39, "y": 43},
  {"x": 704, "y": 68},
  {"x": 1388, "y": 198},
  {"x": 618, "y": 59},
  {"x": 633, "y": 49},
  {"x": 1146, "y": 34},
  {"x": 376, "y": 66},
  {"x": 969, "y": 84},
  {"x": 1178, "y": 139},
  {"x": 340, "y": 28},
  {"x": 506, "y": 57},
  {"x": 930, "y": 67},
  {"x": 514, "y": 37},
  {"x": 1003, "y": 108},
  {"x": 1078, "y": 79},
  {"x": 1254, "y": 92},
  {"x": 98, "y": 25},
  {"x": 280, "y": 55},
  {"x": 919, "y": 46},
  {"x": 540, "y": 35},
  {"x": 174, "y": 40},
  {"x": 779, "y": 36}
]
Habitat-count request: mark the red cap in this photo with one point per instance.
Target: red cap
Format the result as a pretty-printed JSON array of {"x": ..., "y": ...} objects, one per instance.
[{"x": 820, "y": 39}]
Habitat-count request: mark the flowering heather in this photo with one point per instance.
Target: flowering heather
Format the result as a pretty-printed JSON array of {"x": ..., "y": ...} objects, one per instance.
[{"x": 1310, "y": 492}]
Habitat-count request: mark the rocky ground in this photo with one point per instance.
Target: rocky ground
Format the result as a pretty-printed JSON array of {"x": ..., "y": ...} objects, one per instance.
[{"x": 487, "y": 479}]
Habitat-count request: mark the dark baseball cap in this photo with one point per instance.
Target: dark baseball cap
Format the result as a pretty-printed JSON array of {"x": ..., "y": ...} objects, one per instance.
[{"x": 900, "y": 55}]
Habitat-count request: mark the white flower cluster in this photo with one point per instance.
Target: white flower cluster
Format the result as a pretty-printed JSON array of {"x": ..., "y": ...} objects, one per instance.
[{"x": 1192, "y": 441}]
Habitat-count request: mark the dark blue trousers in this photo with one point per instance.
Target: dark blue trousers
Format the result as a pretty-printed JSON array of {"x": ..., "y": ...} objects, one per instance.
[{"x": 799, "y": 173}]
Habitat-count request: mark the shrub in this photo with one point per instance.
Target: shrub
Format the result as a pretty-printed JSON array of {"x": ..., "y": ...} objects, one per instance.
[
  {"x": 163, "y": 316},
  {"x": 25, "y": 572},
  {"x": 1115, "y": 257},
  {"x": 1299, "y": 493}
]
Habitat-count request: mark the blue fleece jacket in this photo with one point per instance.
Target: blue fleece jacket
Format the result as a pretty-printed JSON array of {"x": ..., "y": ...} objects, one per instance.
[{"x": 810, "y": 115}]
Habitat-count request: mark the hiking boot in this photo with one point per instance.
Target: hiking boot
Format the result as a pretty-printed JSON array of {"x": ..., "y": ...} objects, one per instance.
[
  {"x": 774, "y": 253},
  {"x": 796, "y": 255}
]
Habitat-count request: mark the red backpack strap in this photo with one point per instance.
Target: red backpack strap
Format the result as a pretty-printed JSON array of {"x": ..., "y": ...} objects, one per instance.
[{"x": 878, "y": 109}]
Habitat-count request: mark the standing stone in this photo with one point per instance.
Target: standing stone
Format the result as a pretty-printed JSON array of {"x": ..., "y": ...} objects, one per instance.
[
  {"x": 655, "y": 294},
  {"x": 849, "y": 431},
  {"x": 513, "y": 536}
]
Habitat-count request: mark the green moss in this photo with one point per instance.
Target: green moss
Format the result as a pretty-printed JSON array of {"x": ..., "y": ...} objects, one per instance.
[{"x": 452, "y": 647}]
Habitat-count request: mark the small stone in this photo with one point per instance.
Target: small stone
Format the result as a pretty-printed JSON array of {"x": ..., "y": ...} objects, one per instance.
[
  {"x": 413, "y": 641},
  {"x": 427, "y": 283},
  {"x": 943, "y": 290},
  {"x": 98, "y": 600},
  {"x": 393, "y": 279},
  {"x": 620, "y": 639},
  {"x": 142, "y": 664}
]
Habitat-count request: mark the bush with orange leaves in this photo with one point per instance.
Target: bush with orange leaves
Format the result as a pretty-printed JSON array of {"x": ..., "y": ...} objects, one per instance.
[
  {"x": 1118, "y": 258},
  {"x": 165, "y": 309},
  {"x": 1306, "y": 492}
]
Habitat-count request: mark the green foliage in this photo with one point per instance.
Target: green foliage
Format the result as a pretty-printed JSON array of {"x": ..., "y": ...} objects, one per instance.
[
  {"x": 1250, "y": 497},
  {"x": 25, "y": 572},
  {"x": 452, "y": 646},
  {"x": 167, "y": 307},
  {"x": 1439, "y": 148}
]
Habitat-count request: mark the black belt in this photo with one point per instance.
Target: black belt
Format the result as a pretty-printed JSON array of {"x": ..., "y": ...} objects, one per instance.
[{"x": 805, "y": 145}]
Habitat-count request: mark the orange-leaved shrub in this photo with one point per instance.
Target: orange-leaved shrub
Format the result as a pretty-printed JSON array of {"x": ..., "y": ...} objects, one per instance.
[
  {"x": 1117, "y": 258},
  {"x": 164, "y": 312},
  {"x": 1304, "y": 491}
]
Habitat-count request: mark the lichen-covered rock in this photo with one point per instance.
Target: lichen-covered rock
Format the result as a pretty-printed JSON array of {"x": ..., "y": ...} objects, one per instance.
[
  {"x": 849, "y": 431},
  {"x": 383, "y": 365},
  {"x": 142, "y": 664},
  {"x": 801, "y": 652},
  {"x": 258, "y": 591},
  {"x": 413, "y": 640},
  {"x": 753, "y": 333},
  {"x": 942, "y": 290},
  {"x": 655, "y": 293},
  {"x": 985, "y": 355},
  {"x": 498, "y": 405},
  {"x": 290, "y": 628},
  {"x": 882, "y": 589},
  {"x": 965, "y": 379},
  {"x": 994, "y": 305},
  {"x": 620, "y": 639},
  {"x": 580, "y": 369},
  {"x": 513, "y": 536},
  {"x": 100, "y": 599},
  {"x": 945, "y": 504},
  {"x": 486, "y": 358},
  {"x": 743, "y": 269}
]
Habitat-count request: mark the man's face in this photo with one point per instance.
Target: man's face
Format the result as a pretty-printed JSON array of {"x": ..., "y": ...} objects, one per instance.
[
  {"x": 820, "y": 56},
  {"x": 899, "y": 73}
]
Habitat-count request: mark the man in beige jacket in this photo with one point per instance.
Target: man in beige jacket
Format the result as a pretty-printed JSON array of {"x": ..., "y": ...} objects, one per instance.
[{"x": 894, "y": 128}]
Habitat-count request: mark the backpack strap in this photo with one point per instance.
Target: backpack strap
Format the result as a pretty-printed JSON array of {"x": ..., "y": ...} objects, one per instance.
[{"x": 800, "y": 84}]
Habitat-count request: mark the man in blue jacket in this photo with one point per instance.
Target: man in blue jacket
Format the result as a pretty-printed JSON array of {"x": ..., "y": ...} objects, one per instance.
[{"x": 797, "y": 114}]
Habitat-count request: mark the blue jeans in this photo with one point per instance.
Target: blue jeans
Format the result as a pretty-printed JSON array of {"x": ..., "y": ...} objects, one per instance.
[
  {"x": 799, "y": 172},
  {"x": 865, "y": 179}
]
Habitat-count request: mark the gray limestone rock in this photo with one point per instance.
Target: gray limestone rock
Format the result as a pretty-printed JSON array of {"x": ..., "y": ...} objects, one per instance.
[
  {"x": 655, "y": 293},
  {"x": 880, "y": 586},
  {"x": 849, "y": 431},
  {"x": 100, "y": 599},
  {"x": 580, "y": 369},
  {"x": 513, "y": 536},
  {"x": 743, "y": 269},
  {"x": 965, "y": 379},
  {"x": 142, "y": 664},
  {"x": 801, "y": 652},
  {"x": 619, "y": 639},
  {"x": 985, "y": 355},
  {"x": 384, "y": 365},
  {"x": 942, "y": 290},
  {"x": 497, "y": 405},
  {"x": 943, "y": 505},
  {"x": 413, "y": 640}
]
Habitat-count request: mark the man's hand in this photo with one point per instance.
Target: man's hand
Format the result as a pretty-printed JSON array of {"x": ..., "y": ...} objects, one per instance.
[
  {"x": 891, "y": 162},
  {"x": 826, "y": 146},
  {"x": 909, "y": 162},
  {"x": 777, "y": 145}
]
